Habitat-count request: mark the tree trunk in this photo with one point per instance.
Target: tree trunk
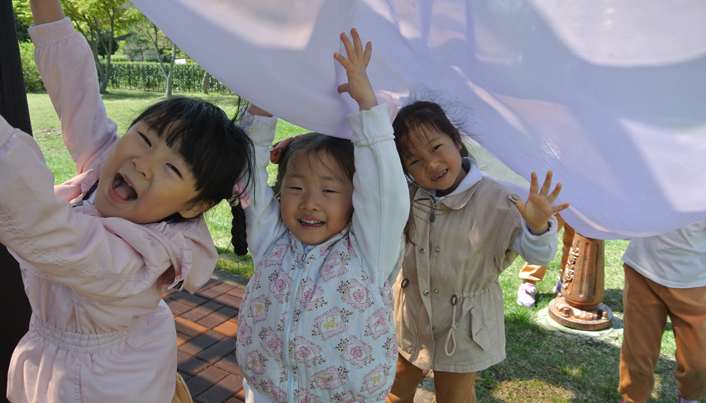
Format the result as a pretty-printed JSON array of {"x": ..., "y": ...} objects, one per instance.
[
  {"x": 99, "y": 67},
  {"x": 204, "y": 85},
  {"x": 168, "y": 93}
]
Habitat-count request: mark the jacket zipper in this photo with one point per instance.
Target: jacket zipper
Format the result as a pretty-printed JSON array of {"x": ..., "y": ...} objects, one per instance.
[{"x": 288, "y": 328}]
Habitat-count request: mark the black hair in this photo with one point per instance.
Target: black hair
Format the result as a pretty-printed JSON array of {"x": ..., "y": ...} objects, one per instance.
[
  {"x": 217, "y": 152},
  {"x": 341, "y": 150},
  {"x": 420, "y": 117}
]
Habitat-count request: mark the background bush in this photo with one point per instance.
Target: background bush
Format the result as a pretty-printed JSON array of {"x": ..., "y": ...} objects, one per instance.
[
  {"x": 33, "y": 82},
  {"x": 148, "y": 77}
]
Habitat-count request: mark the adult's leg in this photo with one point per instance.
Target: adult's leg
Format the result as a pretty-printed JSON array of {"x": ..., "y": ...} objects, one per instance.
[
  {"x": 406, "y": 381},
  {"x": 644, "y": 318},
  {"x": 454, "y": 387},
  {"x": 687, "y": 309}
]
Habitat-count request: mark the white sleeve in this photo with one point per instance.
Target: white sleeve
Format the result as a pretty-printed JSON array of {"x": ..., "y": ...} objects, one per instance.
[
  {"x": 380, "y": 195},
  {"x": 262, "y": 216},
  {"x": 537, "y": 249}
]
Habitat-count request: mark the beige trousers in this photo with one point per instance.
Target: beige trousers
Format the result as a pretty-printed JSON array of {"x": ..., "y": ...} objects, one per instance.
[
  {"x": 646, "y": 307},
  {"x": 450, "y": 387}
]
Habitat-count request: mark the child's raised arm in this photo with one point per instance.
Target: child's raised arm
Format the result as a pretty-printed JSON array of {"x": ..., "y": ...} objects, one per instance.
[
  {"x": 66, "y": 64},
  {"x": 380, "y": 201},
  {"x": 538, "y": 209}
]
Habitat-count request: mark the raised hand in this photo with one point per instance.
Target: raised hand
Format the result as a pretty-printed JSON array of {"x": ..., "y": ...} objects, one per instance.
[
  {"x": 358, "y": 85},
  {"x": 538, "y": 209}
]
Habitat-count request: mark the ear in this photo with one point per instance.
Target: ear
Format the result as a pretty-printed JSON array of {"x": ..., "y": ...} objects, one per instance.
[{"x": 196, "y": 209}]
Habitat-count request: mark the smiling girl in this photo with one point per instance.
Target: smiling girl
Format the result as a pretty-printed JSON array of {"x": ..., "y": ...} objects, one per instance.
[
  {"x": 315, "y": 324},
  {"x": 464, "y": 231}
]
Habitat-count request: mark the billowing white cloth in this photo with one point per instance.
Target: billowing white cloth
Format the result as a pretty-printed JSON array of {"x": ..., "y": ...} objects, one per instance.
[{"x": 610, "y": 95}]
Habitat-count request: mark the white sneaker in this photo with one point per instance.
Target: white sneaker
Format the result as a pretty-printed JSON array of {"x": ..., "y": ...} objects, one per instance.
[{"x": 526, "y": 293}]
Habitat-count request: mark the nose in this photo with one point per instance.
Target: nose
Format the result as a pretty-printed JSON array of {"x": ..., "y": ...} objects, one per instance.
[
  {"x": 310, "y": 201},
  {"x": 430, "y": 164},
  {"x": 143, "y": 165}
]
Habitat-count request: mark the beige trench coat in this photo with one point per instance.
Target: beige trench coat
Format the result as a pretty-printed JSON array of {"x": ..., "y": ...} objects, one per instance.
[{"x": 449, "y": 278}]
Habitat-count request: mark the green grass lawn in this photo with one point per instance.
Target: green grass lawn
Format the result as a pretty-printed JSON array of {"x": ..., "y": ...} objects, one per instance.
[{"x": 542, "y": 366}]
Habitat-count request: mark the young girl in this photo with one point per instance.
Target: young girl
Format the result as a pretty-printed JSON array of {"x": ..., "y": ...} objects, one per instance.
[
  {"x": 98, "y": 251},
  {"x": 464, "y": 230},
  {"x": 315, "y": 324}
]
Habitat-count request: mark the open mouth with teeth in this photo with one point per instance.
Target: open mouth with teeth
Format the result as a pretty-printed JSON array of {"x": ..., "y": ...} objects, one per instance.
[
  {"x": 123, "y": 189},
  {"x": 440, "y": 176},
  {"x": 311, "y": 223}
]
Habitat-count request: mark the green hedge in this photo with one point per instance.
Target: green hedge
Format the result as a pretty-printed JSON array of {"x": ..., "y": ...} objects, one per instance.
[
  {"x": 148, "y": 77},
  {"x": 33, "y": 82}
]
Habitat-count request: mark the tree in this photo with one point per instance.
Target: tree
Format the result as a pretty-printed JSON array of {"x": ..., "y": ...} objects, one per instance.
[
  {"x": 23, "y": 18},
  {"x": 100, "y": 21},
  {"x": 160, "y": 43}
]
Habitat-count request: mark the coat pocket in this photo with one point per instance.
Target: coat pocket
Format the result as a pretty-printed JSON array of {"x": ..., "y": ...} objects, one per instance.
[{"x": 479, "y": 333}]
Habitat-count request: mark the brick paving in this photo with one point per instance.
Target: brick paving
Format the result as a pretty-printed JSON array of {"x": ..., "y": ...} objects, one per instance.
[{"x": 206, "y": 325}]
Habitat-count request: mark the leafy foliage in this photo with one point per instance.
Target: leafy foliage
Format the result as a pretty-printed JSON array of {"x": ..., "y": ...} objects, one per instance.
[
  {"x": 23, "y": 18},
  {"x": 149, "y": 77},
  {"x": 33, "y": 82}
]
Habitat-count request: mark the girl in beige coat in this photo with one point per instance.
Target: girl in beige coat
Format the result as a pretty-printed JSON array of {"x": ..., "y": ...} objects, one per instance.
[{"x": 464, "y": 230}]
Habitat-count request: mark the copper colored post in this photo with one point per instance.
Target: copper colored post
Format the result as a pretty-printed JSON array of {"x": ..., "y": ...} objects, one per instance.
[{"x": 580, "y": 304}]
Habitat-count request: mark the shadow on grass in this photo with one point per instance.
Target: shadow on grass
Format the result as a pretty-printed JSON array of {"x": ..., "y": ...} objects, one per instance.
[{"x": 545, "y": 366}]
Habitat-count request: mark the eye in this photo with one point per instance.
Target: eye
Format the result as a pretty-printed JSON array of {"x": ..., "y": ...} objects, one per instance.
[
  {"x": 294, "y": 188},
  {"x": 412, "y": 162},
  {"x": 436, "y": 148},
  {"x": 175, "y": 169},
  {"x": 149, "y": 143},
  {"x": 329, "y": 191}
]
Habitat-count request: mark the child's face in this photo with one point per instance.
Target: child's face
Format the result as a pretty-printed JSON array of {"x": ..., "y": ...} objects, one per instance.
[
  {"x": 143, "y": 180},
  {"x": 434, "y": 161},
  {"x": 316, "y": 198}
]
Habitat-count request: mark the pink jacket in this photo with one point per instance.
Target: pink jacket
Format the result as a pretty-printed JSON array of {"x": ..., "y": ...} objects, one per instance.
[{"x": 99, "y": 331}]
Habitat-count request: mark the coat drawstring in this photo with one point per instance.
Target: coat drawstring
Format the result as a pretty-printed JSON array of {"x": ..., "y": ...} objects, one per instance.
[{"x": 452, "y": 332}]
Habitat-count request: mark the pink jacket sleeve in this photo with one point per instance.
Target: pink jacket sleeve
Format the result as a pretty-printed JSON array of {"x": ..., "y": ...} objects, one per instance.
[{"x": 66, "y": 64}]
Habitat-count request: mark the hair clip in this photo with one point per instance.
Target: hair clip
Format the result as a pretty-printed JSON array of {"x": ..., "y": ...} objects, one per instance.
[
  {"x": 278, "y": 149},
  {"x": 239, "y": 196}
]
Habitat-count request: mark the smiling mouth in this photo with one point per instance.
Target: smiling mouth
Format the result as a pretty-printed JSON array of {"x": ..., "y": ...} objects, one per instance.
[
  {"x": 123, "y": 189},
  {"x": 439, "y": 176},
  {"x": 311, "y": 223}
]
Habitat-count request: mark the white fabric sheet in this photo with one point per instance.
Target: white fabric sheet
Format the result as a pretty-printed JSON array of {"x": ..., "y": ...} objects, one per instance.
[{"x": 610, "y": 95}]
